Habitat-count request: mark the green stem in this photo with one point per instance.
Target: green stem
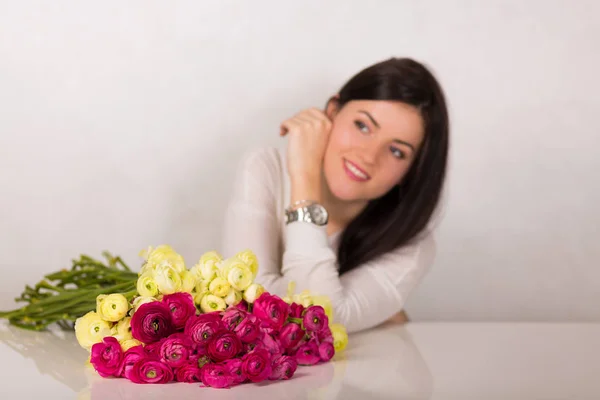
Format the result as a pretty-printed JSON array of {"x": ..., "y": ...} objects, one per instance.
[
  {"x": 66, "y": 299},
  {"x": 65, "y": 295},
  {"x": 120, "y": 261}
]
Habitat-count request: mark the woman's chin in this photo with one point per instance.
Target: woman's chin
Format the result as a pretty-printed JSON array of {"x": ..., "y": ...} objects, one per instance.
[{"x": 346, "y": 194}]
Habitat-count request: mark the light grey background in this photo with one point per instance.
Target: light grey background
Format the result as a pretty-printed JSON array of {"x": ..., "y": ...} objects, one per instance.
[{"x": 121, "y": 124}]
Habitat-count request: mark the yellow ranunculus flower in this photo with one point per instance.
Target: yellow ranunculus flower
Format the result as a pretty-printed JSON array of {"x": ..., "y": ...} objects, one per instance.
[
  {"x": 213, "y": 256},
  {"x": 146, "y": 285},
  {"x": 91, "y": 329},
  {"x": 291, "y": 289},
  {"x": 303, "y": 298},
  {"x": 198, "y": 297},
  {"x": 227, "y": 265},
  {"x": 210, "y": 303},
  {"x": 208, "y": 270},
  {"x": 253, "y": 292},
  {"x": 250, "y": 259},
  {"x": 202, "y": 287},
  {"x": 195, "y": 270},
  {"x": 167, "y": 279},
  {"x": 340, "y": 336},
  {"x": 144, "y": 253},
  {"x": 219, "y": 287},
  {"x": 233, "y": 297},
  {"x": 165, "y": 256},
  {"x": 138, "y": 301},
  {"x": 208, "y": 264},
  {"x": 123, "y": 328},
  {"x": 129, "y": 343},
  {"x": 188, "y": 281},
  {"x": 112, "y": 307},
  {"x": 239, "y": 276},
  {"x": 147, "y": 269}
]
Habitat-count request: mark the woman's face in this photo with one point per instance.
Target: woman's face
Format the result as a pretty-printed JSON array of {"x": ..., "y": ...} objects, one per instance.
[{"x": 371, "y": 147}]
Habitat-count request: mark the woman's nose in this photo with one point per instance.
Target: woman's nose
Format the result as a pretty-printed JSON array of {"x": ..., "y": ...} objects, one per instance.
[{"x": 370, "y": 153}]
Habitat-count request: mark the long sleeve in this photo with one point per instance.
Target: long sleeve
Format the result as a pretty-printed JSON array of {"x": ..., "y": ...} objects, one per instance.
[
  {"x": 367, "y": 295},
  {"x": 300, "y": 252},
  {"x": 251, "y": 218}
]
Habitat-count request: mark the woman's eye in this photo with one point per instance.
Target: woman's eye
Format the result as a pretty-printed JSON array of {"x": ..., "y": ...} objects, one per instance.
[
  {"x": 397, "y": 152},
  {"x": 361, "y": 126}
]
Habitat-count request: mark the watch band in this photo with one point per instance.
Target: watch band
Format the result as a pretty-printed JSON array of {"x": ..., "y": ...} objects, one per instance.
[
  {"x": 298, "y": 203},
  {"x": 312, "y": 213}
]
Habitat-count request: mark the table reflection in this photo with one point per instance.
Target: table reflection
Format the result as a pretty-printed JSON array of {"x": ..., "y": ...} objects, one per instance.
[
  {"x": 56, "y": 353},
  {"x": 381, "y": 363}
]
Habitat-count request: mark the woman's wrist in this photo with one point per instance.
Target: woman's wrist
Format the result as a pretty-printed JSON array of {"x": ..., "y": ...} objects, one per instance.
[{"x": 306, "y": 188}]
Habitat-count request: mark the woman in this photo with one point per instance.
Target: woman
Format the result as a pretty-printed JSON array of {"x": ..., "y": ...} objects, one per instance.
[{"x": 346, "y": 210}]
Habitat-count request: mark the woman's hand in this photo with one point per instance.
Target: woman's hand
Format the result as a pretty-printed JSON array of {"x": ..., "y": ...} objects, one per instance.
[{"x": 308, "y": 135}]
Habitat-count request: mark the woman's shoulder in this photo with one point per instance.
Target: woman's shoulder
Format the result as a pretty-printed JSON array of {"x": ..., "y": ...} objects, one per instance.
[
  {"x": 263, "y": 157},
  {"x": 262, "y": 167},
  {"x": 265, "y": 162}
]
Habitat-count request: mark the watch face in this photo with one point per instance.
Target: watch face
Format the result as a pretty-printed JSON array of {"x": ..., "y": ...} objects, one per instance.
[{"x": 318, "y": 214}]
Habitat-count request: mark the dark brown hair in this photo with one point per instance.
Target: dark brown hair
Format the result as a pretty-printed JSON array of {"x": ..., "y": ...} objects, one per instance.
[{"x": 400, "y": 215}]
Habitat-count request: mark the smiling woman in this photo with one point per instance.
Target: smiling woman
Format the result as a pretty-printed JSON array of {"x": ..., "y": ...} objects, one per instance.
[{"x": 346, "y": 210}]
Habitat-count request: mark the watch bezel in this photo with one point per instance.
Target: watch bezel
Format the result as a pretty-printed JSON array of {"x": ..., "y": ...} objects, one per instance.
[{"x": 311, "y": 212}]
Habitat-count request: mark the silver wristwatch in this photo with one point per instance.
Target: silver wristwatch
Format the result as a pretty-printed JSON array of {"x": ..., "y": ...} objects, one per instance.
[{"x": 313, "y": 213}]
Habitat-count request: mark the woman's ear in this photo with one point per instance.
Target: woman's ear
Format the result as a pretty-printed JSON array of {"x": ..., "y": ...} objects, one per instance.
[{"x": 332, "y": 106}]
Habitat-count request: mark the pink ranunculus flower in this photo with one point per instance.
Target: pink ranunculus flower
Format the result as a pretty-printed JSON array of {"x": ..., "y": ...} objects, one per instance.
[
  {"x": 283, "y": 367},
  {"x": 153, "y": 349},
  {"x": 215, "y": 375},
  {"x": 242, "y": 305},
  {"x": 308, "y": 354},
  {"x": 188, "y": 372},
  {"x": 271, "y": 344},
  {"x": 315, "y": 319},
  {"x": 290, "y": 335},
  {"x": 152, "y": 322},
  {"x": 271, "y": 310},
  {"x": 151, "y": 370},
  {"x": 234, "y": 368},
  {"x": 326, "y": 351},
  {"x": 107, "y": 357},
  {"x": 197, "y": 352},
  {"x": 176, "y": 349},
  {"x": 201, "y": 328},
  {"x": 181, "y": 305},
  {"x": 248, "y": 329},
  {"x": 296, "y": 310},
  {"x": 129, "y": 359},
  {"x": 256, "y": 365},
  {"x": 324, "y": 335},
  {"x": 223, "y": 346},
  {"x": 248, "y": 347},
  {"x": 233, "y": 316}
]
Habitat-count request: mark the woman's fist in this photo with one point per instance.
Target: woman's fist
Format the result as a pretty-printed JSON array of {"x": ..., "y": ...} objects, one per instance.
[{"x": 308, "y": 135}]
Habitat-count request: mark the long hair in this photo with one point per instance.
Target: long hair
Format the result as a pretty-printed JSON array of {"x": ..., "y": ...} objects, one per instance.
[{"x": 396, "y": 218}]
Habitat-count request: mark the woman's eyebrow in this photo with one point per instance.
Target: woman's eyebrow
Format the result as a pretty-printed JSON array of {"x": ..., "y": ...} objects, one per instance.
[{"x": 370, "y": 117}]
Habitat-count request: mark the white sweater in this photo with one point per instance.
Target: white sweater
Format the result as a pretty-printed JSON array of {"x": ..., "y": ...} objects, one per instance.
[{"x": 302, "y": 252}]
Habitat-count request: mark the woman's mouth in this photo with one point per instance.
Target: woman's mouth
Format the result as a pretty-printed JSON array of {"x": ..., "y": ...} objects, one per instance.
[{"x": 355, "y": 172}]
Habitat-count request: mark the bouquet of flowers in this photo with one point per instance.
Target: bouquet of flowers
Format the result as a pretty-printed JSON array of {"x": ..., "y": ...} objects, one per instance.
[{"x": 209, "y": 324}]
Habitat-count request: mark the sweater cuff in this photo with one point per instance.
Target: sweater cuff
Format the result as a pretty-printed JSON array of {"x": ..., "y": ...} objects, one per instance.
[{"x": 305, "y": 238}]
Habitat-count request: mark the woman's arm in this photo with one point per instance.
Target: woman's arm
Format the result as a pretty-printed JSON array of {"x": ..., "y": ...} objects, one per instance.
[
  {"x": 361, "y": 298},
  {"x": 366, "y": 296}
]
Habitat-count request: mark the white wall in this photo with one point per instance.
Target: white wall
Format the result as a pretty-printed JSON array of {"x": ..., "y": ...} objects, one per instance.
[{"x": 121, "y": 123}]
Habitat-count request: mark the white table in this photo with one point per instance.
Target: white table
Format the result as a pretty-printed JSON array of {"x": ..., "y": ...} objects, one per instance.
[{"x": 483, "y": 361}]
